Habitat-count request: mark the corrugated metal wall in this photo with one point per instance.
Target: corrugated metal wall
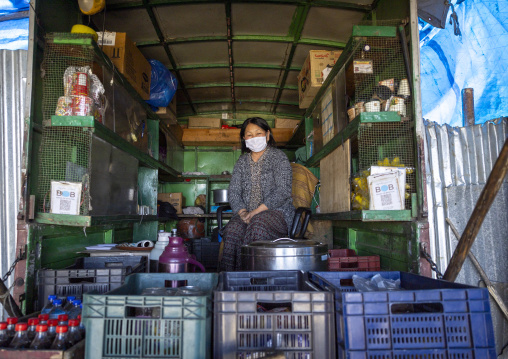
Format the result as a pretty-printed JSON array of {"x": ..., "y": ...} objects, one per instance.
[
  {"x": 459, "y": 161},
  {"x": 12, "y": 97}
]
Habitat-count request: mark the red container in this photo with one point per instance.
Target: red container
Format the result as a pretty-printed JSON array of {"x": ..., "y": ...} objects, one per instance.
[{"x": 346, "y": 260}]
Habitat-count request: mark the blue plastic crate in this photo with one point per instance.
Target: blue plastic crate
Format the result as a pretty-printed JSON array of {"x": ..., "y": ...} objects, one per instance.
[
  {"x": 448, "y": 320},
  {"x": 125, "y": 324}
]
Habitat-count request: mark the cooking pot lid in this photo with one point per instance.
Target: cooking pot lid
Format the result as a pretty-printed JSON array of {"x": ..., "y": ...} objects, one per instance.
[{"x": 285, "y": 243}]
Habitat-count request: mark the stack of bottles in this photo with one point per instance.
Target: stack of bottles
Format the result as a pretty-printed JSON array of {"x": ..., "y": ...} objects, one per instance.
[{"x": 57, "y": 327}]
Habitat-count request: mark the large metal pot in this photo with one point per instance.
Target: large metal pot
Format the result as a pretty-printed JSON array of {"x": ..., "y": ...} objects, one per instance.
[
  {"x": 220, "y": 196},
  {"x": 284, "y": 254}
]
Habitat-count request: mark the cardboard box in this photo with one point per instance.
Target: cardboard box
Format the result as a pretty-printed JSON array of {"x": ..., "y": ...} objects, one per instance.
[
  {"x": 384, "y": 191},
  {"x": 204, "y": 122},
  {"x": 65, "y": 197},
  {"x": 168, "y": 114},
  {"x": 128, "y": 59},
  {"x": 310, "y": 78},
  {"x": 175, "y": 199},
  {"x": 286, "y": 123}
]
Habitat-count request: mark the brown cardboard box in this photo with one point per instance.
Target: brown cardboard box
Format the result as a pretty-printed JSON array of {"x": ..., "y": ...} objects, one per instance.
[
  {"x": 168, "y": 114},
  {"x": 310, "y": 78},
  {"x": 286, "y": 123},
  {"x": 175, "y": 199},
  {"x": 128, "y": 59},
  {"x": 204, "y": 122}
]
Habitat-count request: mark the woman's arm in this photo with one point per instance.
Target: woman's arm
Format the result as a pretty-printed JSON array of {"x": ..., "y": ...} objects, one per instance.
[
  {"x": 235, "y": 190},
  {"x": 283, "y": 177}
]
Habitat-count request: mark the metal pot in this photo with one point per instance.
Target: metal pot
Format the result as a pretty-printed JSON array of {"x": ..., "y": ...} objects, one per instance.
[
  {"x": 284, "y": 254},
  {"x": 220, "y": 196}
]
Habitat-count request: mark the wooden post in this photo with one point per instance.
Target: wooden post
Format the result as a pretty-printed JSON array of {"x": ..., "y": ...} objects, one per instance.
[
  {"x": 474, "y": 224},
  {"x": 468, "y": 106}
]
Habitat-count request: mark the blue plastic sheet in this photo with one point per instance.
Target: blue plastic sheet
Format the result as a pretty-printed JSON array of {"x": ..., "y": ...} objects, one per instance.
[
  {"x": 14, "y": 35},
  {"x": 10, "y": 6},
  {"x": 163, "y": 85},
  {"x": 477, "y": 59}
]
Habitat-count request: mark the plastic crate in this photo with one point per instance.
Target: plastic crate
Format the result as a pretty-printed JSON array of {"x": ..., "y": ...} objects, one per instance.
[
  {"x": 245, "y": 328},
  {"x": 98, "y": 274},
  {"x": 178, "y": 326},
  {"x": 431, "y": 318},
  {"x": 207, "y": 253},
  {"x": 347, "y": 260},
  {"x": 77, "y": 351}
]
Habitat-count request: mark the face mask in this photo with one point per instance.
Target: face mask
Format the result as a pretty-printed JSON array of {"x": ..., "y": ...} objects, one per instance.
[{"x": 256, "y": 144}]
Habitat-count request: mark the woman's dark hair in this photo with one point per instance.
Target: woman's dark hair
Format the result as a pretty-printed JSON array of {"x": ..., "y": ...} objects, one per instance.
[{"x": 258, "y": 121}]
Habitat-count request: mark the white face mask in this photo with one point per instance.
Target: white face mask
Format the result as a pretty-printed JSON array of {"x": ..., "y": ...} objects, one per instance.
[{"x": 256, "y": 144}]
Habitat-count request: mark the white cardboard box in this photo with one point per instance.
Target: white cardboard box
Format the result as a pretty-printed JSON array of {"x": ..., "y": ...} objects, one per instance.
[
  {"x": 384, "y": 190},
  {"x": 401, "y": 172},
  {"x": 65, "y": 197}
]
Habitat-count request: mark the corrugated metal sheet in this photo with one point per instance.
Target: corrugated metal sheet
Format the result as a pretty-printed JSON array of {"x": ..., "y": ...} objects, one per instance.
[
  {"x": 459, "y": 161},
  {"x": 12, "y": 97}
]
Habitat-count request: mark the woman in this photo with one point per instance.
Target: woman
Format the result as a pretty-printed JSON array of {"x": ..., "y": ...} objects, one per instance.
[{"x": 259, "y": 193}]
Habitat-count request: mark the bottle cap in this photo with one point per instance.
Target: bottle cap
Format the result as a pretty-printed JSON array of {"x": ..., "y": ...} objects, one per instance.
[
  {"x": 51, "y": 297},
  {"x": 3, "y": 325},
  {"x": 12, "y": 320},
  {"x": 76, "y": 302},
  {"x": 41, "y": 328},
  {"x": 44, "y": 317},
  {"x": 73, "y": 322},
  {"x": 61, "y": 329},
  {"x": 21, "y": 327},
  {"x": 33, "y": 321},
  {"x": 57, "y": 302},
  {"x": 52, "y": 323},
  {"x": 63, "y": 318},
  {"x": 70, "y": 298}
]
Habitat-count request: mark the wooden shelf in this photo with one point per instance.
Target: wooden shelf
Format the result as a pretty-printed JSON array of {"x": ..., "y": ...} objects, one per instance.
[
  {"x": 366, "y": 216},
  {"x": 205, "y": 215},
  {"x": 227, "y": 137},
  {"x": 88, "y": 221}
]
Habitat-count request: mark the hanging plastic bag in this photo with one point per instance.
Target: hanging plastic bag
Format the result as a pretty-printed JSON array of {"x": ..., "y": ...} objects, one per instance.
[{"x": 163, "y": 85}]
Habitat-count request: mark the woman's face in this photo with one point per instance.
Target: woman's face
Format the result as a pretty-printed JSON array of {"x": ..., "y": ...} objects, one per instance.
[{"x": 253, "y": 130}]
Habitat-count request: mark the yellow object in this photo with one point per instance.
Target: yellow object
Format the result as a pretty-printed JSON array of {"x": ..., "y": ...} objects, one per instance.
[
  {"x": 82, "y": 29},
  {"x": 303, "y": 185},
  {"x": 91, "y": 7}
]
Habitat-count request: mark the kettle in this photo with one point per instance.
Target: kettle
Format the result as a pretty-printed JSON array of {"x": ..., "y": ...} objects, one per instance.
[{"x": 176, "y": 259}]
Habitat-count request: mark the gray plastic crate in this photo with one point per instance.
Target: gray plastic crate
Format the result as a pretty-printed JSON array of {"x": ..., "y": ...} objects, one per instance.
[
  {"x": 97, "y": 274},
  {"x": 243, "y": 329},
  {"x": 118, "y": 326}
]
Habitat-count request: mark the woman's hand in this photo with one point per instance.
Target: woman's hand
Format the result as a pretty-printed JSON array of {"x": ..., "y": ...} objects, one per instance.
[
  {"x": 244, "y": 215},
  {"x": 247, "y": 216}
]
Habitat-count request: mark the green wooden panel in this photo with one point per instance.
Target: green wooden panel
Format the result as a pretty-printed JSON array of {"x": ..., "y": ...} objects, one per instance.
[
  {"x": 215, "y": 162},
  {"x": 379, "y": 31},
  {"x": 375, "y": 117},
  {"x": 86, "y": 221},
  {"x": 190, "y": 190},
  {"x": 367, "y": 216},
  {"x": 340, "y": 237},
  {"x": 74, "y": 121},
  {"x": 145, "y": 231}
]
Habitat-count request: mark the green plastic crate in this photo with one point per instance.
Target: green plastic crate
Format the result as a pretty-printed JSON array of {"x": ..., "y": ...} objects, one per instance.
[{"x": 179, "y": 326}]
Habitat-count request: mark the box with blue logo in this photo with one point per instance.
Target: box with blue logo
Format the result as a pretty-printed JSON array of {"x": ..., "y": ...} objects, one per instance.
[
  {"x": 65, "y": 197},
  {"x": 387, "y": 189}
]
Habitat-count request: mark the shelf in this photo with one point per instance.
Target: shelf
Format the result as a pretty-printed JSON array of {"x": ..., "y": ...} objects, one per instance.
[
  {"x": 88, "y": 221},
  {"x": 227, "y": 137},
  {"x": 366, "y": 216},
  {"x": 206, "y": 215},
  {"x": 350, "y": 130}
]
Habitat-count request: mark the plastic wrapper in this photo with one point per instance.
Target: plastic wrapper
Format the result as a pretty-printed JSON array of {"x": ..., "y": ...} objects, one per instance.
[
  {"x": 82, "y": 106},
  {"x": 163, "y": 85},
  {"x": 376, "y": 283},
  {"x": 77, "y": 81},
  {"x": 63, "y": 107}
]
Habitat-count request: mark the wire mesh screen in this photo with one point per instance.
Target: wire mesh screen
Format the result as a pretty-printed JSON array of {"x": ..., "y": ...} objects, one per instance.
[
  {"x": 58, "y": 56},
  {"x": 65, "y": 156},
  {"x": 388, "y": 143},
  {"x": 380, "y": 74}
]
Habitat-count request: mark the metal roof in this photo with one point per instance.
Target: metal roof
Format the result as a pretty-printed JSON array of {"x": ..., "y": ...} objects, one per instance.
[{"x": 234, "y": 56}]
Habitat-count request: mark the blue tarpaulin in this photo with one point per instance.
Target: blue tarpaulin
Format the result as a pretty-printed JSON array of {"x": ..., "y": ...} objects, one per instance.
[
  {"x": 477, "y": 59},
  {"x": 13, "y": 33}
]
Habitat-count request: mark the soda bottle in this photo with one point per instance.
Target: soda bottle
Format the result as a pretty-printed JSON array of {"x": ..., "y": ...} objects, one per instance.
[
  {"x": 43, "y": 318},
  {"x": 81, "y": 326},
  {"x": 49, "y": 305},
  {"x": 5, "y": 339},
  {"x": 57, "y": 309},
  {"x": 42, "y": 339},
  {"x": 75, "y": 310},
  {"x": 63, "y": 319},
  {"x": 32, "y": 323},
  {"x": 61, "y": 342},
  {"x": 52, "y": 324},
  {"x": 74, "y": 335},
  {"x": 20, "y": 340},
  {"x": 68, "y": 304},
  {"x": 11, "y": 325}
]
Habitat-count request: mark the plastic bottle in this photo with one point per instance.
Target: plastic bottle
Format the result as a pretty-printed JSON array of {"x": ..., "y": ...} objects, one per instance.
[
  {"x": 160, "y": 245},
  {"x": 43, "y": 318},
  {"x": 52, "y": 323},
  {"x": 5, "y": 339},
  {"x": 42, "y": 339},
  {"x": 74, "y": 335},
  {"x": 63, "y": 319},
  {"x": 81, "y": 326},
  {"x": 11, "y": 325},
  {"x": 20, "y": 340},
  {"x": 57, "y": 309},
  {"x": 68, "y": 303},
  {"x": 32, "y": 324},
  {"x": 75, "y": 310},
  {"x": 61, "y": 341},
  {"x": 49, "y": 305}
]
